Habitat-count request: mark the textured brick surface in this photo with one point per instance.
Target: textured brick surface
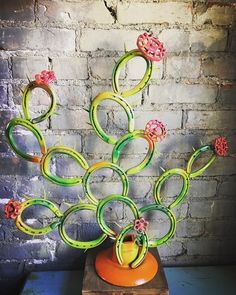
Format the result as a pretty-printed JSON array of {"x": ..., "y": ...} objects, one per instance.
[
  {"x": 192, "y": 91},
  {"x": 170, "y": 12}
]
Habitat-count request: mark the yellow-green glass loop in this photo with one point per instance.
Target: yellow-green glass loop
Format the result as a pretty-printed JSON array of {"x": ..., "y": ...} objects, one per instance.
[
  {"x": 121, "y": 64},
  {"x": 76, "y": 243},
  {"x": 195, "y": 156},
  {"x": 124, "y": 140},
  {"x": 152, "y": 243},
  {"x": 164, "y": 177},
  {"x": 98, "y": 166},
  {"x": 37, "y": 133},
  {"x": 93, "y": 114},
  {"x": 21, "y": 225},
  {"x": 26, "y": 97},
  {"x": 101, "y": 207},
  {"x": 45, "y": 165}
]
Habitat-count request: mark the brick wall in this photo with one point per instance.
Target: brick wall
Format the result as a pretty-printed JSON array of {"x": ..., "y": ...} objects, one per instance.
[{"x": 192, "y": 91}]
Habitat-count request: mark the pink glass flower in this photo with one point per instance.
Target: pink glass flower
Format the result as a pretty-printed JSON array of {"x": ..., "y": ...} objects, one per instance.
[
  {"x": 151, "y": 47},
  {"x": 221, "y": 146},
  {"x": 12, "y": 209},
  {"x": 140, "y": 225},
  {"x": 45, "y": 77},
  {"x": 156, "y": 130}
]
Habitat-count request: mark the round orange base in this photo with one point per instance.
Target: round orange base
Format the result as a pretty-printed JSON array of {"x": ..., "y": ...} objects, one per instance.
[{"x": 108, "y": 269}]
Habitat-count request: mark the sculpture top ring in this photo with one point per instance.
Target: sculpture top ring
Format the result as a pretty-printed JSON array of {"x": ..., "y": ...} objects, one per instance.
[
  {"x": 26, "y": 97},
  {"x": 151, "y": 47}
]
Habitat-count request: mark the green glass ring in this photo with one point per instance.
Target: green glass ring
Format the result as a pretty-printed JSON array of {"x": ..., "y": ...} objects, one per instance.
[
  {"x": 93, "y": 114},
  {"x": 121, "y": 64},
  {"x": 119, "y": 241},
  {"x": 38, "y": 231},
  {"x": 196, "y": 155},
  {"x": 101, "y": 207},
  {"x": 28, "y": 125},
  {"x": 124, "y": 140},
  {"x": 77, "y": 243},
  {"x": 98, "y": 166},
  {"x": 167, "y": 174},
  {"x": 26, "y": 97},
  {"x": 45, "y": 165},
  {"x": 172, "y": 229}
]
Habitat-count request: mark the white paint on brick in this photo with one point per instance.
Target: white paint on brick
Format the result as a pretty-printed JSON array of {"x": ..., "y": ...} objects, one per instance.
[
  {"x": 113, "y": 39},
  {"x": 175, "y": 40},
  {"x": 86, "y": 11},
  {"x": 183, "y": 67},
  {"x": 169, "y": 12},
  {"x": 71, "y": 68}
]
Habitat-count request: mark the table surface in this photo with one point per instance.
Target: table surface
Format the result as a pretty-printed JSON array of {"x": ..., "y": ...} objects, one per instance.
[{"x": 201, "y": 280}]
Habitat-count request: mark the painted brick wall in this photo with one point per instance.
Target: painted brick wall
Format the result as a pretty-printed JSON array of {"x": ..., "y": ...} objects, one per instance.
[{"x": 192, "y": 91}]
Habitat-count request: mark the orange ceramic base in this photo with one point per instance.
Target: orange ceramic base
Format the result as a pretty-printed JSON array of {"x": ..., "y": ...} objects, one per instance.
[{"x": 108, "y": 268}]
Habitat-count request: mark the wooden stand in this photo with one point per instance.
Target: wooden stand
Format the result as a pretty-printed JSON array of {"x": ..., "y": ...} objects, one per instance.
[{"x": 93, "y": 285}]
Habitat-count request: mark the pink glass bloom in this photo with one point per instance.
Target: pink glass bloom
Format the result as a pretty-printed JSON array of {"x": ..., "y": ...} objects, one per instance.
[
  {"x": 221, "y": 146},
  {"x": 45, "y": 77},
  {"x": 12, "y": 209},
  {"x": 151, "y": 47},
  {"x": 156, "y": 130},
  {"x": 140, "y": 225}
]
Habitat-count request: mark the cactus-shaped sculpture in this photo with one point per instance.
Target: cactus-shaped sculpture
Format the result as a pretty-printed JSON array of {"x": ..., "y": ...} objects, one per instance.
[{"x": 150, "y": 49}]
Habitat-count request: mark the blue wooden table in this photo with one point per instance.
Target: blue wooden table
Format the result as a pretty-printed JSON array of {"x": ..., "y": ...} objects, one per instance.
[{"x": 206, "y": 280}]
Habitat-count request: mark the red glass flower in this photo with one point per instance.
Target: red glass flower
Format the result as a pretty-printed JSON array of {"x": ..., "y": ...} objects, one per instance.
[
  {"x": 156, "y": 130},
  {"x": 221, "y": 146},
  {"x": 151, "y": 47},
  {"x": 12, "y": 209},
  {"x": 140, "y": 225},
  {"x": 45, "y": 77}
]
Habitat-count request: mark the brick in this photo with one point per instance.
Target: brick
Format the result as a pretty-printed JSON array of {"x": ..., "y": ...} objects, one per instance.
[
  {"x": 172, "y": 119},
  {"x": 68, "y": 167},
  {"x": 211, "y": 120},
  {"x": 171, "y": 248},
  {"x": 171, "y": 92},
  {"x": 190, "y": 228},
  {"x": 87, "y": 12},
  {"x": 227, "y": 188},
  {"x": 222, "y": 67},
  {"x": 183, "y": 67},
  {"x": 233, "y": 41},
  {"x": 75, "y": 119},
  {"x": 221, "y": 228},
  {"x": 182, "y": 143},
  {"x": 15, "y": 11},
  {"x": 72, "y": 68},
  {"x": 137, "y": 67},
  {"x": 5, "y": 117},
  {"x": 25, "y": 38},
  {"x": 71, "y": 140},
  {"x": 7, "y": 187},
  {"x": 3, "y": 95},
  {"x": 203, "y": 247},
  {"x": 223, "y": 208},
  {"x": 95, "y": 145},
  {"x": 222, "y": 166},
  {"x": 104, "y": 189},
  {"x": 227, "y": 94},
  {"x": 201, "y": 209},
  {"x": 23, "y": 67},
  {"x": 208, "y": 40},
  {"x": 180, "y": 211},
  {"x": 215, "y": 14},
  {"x": 101, "y": 68},
  {"x": 4, "y": 72},
  {"x": 28, "y": 251},
  {"x": 16, "y": 166},
  {"x": 113, "y": 39},
  {"x": 175, "y": 40},
  {"x": 171, "y": 12}
]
